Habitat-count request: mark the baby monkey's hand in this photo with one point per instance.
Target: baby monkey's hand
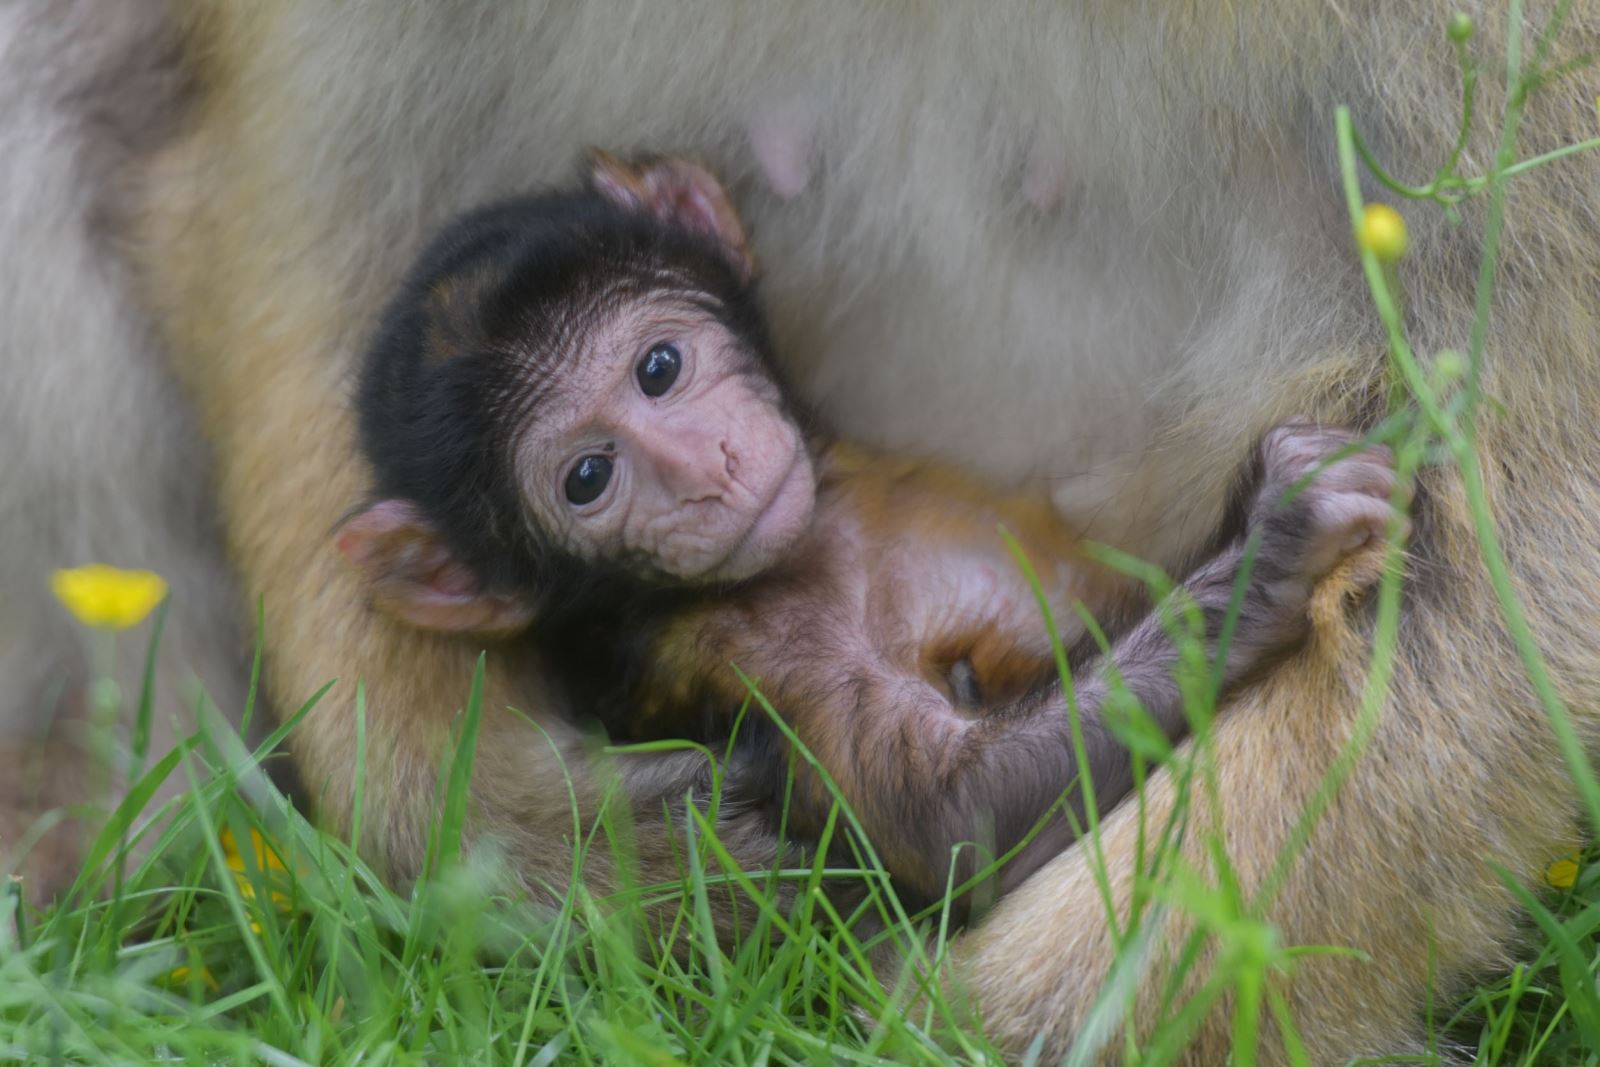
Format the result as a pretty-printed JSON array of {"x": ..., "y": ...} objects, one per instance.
[{"x": 1344, "y": 507}]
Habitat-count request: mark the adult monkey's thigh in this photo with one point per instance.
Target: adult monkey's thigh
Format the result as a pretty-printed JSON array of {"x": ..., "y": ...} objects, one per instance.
[
  {"x": 972, "y": 225},
  {"x": 1459, "y": 775}
]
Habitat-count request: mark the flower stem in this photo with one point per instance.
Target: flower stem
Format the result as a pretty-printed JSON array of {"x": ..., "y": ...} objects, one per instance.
[{"x": 105, "y": 700}]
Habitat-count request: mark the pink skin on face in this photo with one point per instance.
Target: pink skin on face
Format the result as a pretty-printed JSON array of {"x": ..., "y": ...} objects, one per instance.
[{"x": 710, "y": 481}]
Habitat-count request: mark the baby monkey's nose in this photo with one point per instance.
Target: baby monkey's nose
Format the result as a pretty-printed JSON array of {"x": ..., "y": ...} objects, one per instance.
[{"x": 696, "y": 468}]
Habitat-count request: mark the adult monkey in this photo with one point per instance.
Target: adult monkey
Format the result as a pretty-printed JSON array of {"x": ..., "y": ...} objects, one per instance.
[{"x": 1093, "y": 197}]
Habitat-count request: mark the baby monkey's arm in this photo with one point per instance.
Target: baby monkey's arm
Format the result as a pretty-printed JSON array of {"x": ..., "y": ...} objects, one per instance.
[{"x": 924, "y": 778}]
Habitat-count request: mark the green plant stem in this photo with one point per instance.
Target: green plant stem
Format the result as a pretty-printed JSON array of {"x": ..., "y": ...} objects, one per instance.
[
  {"x": 1473, "y": 185},
  {"x": 13, "y": 897},
  {"x": 105, "y": 699},
  {"x": 1463, "y": 444},
  {"x": 1080, "y": 750},
  {"x": 1459, "y": 439}
]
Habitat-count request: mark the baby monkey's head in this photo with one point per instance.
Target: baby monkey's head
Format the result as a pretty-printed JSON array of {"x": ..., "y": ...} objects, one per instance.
[{"x": 571, "y": 388}]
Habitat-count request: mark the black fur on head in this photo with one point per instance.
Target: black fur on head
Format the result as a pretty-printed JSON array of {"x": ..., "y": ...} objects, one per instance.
[{"x": 475, "y": 345}]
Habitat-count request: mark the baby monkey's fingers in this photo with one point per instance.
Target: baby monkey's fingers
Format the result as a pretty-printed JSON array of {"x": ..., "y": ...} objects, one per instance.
[{"x": 1345, "y": 503}]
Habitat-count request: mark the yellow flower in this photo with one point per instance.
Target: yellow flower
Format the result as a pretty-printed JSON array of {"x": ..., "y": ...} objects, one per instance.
[
  {"x": 180, "y": 976},
  {"x": 268, "y": 862},
  {"x": 1382, "y": 232},
  {"x": 1563, "y": 872},
  {"x": 107, "y": 597}
]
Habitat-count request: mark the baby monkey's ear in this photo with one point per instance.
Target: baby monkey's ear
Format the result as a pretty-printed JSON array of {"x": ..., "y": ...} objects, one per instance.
[
  {"x": 415, "y": 577},
  {"x": 678, "y": 191}
]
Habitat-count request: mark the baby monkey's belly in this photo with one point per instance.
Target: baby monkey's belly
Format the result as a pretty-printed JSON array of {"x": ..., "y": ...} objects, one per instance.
[{"x": 933, "y": 569}]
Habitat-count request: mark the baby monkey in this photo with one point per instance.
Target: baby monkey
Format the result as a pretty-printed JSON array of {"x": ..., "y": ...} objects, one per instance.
[{"x": 578, "y": 432}]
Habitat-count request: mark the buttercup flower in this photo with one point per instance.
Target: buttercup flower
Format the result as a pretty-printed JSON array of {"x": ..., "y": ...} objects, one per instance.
[
  {"x": 107, "y": 597},
  {"x": 272, "y": 871},
  {"x": 1563, "y": 872},
  {"x": 268, "y": 862},
  {"x": 180, "y": 976},
  {"x": 1382, "y": 232}
]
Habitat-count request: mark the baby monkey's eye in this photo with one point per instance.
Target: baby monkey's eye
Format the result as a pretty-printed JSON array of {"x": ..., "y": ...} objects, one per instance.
[
  {"x": 659, "y": 369},
  {"x": 587, "y": 479}
]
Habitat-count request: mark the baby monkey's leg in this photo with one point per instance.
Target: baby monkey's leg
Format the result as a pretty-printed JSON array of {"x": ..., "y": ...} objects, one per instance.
[{"x": 923, "y": 778}]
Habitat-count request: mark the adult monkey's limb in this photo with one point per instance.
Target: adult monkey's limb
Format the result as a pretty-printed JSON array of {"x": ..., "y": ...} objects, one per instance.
[{"x": 1460, "y": 775}]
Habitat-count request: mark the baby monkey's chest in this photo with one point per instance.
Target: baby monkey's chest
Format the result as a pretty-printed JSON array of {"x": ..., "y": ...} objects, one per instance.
[{"x": 926, "y": 585}]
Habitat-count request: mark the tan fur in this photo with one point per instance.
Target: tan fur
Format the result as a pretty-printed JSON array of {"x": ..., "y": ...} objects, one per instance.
[
  {"x": 1191, "y": 284},
  {"x": 1460, "y": 773}
]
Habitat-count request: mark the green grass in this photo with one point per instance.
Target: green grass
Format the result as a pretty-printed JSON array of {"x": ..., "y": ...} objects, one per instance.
[
  {"x": 187, "y": 949},
  {"x": 197, "y": 951},
  {"x": 172, "y": 947}
]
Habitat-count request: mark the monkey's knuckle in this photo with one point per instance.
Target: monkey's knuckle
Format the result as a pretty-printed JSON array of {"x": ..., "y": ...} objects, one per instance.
[
  {"x": 1331, "y": 515},
  {"x": 1286, "y": 439},
  {"x": 1286, "y": 465}
]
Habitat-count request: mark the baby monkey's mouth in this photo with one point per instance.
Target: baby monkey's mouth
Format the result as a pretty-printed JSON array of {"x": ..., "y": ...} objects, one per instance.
[{"x": 777, "y": 525}]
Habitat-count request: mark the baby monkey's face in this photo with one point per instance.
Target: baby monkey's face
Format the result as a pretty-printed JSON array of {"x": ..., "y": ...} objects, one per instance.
[{"x": 666, "y": 446}]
